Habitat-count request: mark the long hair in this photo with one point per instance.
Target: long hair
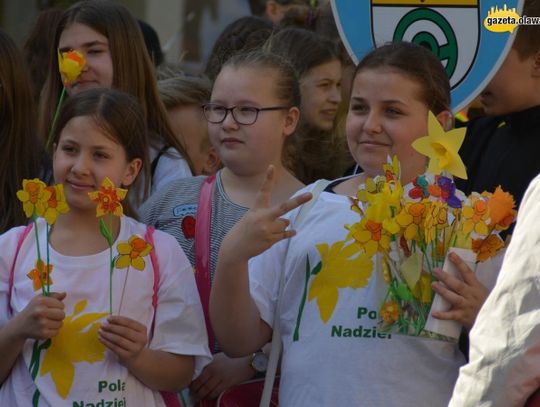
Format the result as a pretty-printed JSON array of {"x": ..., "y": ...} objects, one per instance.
[
  {"x": 20, "y": 148},
  {"x": 119, "y": 116},
  {"x": 133, "y": 71}
]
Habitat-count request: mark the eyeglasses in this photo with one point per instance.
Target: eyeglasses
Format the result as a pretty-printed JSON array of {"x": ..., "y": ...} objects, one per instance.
[{"x": 245, "y": 115}]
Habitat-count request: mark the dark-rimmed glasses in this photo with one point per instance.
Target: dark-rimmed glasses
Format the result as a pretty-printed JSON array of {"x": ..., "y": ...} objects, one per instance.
[{"x": 245, "y": 115}]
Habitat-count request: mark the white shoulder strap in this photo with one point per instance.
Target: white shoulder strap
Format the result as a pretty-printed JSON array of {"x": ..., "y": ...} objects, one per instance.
[{"x": 275, "y": 350}]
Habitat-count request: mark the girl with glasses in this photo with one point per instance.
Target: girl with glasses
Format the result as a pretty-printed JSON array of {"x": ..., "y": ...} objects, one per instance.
[{"x": 249, "y": 123}]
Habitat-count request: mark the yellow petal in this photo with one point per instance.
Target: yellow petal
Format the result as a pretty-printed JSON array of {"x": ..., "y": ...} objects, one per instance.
[
  {"x": 123, "y": 248},
  {"x": 123, "y": 262},
  {"x": 28, "y": 209},
  {"x": 138, "y": 263}
]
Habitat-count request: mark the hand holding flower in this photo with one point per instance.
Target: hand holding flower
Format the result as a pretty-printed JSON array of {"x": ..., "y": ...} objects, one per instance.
[
  {"x": 42, "y": 317},
  {"x": 465, "y": 296},
  {"x": 125, "y": 337}
]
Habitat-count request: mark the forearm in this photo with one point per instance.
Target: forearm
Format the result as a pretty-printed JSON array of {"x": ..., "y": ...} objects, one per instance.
[
  {"x": 162, "y": 371},
  {"x": 11, "y": 344},
  {"x": 235, "y": 317}
]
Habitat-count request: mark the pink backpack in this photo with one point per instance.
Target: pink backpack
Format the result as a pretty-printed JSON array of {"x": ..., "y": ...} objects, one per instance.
[{"x": 170, "y": 398}]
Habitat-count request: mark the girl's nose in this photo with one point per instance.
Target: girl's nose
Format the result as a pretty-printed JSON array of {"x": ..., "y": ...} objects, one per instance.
[
  {"x": 229, "y": 123},
  {"x": 335, "y": 95},
  {"x": 372, "y": 125},
  {"x": 80, "y": 166}
]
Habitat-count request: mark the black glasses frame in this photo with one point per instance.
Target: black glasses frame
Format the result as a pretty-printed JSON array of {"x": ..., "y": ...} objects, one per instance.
[{"x": 233, "y": 108}]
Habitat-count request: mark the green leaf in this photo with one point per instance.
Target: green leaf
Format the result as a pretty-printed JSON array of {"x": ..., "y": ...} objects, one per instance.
[
  {"x": 403, "y": 292},
  {"x": 105, "y": 232},
  {"x": 317, "y": 269},
  {"x": 411, "y": 269}
]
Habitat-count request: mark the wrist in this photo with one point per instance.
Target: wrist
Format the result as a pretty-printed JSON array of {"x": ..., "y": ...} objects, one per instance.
[{"x": 259, "y": 362}]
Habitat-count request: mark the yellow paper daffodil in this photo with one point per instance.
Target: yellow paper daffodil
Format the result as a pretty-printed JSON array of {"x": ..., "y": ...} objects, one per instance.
[
  {"x": 411, "y": 217},
  {"x": 34, "y": 196},
  {"x": 56, "y": 204},
  {"x": 40, "y": 275},
  {"x": 389, "y": 312},
  {"x": 488, "y": 247},
  {"x": 442, "y": 148},
  {"x": 436, "y": 219},
  {"x": 108, "y": 199},
  {"x": 76, "y": 342},
  {"x": 342, "y": 267},
  {"x": 392, "y": 169},
  {"x": 70, "y": 64},
  {"x": 476, "y": 216},
  {"x": 132, "y": 253}
]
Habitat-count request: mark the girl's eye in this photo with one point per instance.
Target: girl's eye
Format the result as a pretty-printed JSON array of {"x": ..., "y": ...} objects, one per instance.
[
  {"x": 100, "y": 155},
  {"x": 94, "y": 51},
  {"x": 393, "y": 111},
  {"x": 68, "y": 149},
  {"x": 359, "y": 108}
]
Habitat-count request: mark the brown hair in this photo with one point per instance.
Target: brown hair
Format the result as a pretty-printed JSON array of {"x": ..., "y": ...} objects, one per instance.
[
  {"x": 133, "y": 71},
  {"x": 246, "y": 33},
  {"x": 287, "y": 87},
  {"x": 120, "y": 117},
  {"x": 20, "y": 148},
  {"x": 39, "y": 45},
  {"x": 304, "y": 49},
  {"x": 419, "y": 64},
  {"x": 527, "y": 40},
  {"x": 179, "y": 90}
]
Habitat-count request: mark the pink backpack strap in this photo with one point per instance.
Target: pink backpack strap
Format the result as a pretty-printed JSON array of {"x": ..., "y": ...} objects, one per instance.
[
  {"x": 202, "y": 252},
  {"x": 22, "y": 236},
  {"x": 149, "y": 237},
  {"x": 170, "y": 398}
]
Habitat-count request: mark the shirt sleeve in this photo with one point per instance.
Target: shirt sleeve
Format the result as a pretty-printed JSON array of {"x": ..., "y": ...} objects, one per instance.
[
  {"x": 179, "y": 324},
  {"x": 504, "y": 367}
]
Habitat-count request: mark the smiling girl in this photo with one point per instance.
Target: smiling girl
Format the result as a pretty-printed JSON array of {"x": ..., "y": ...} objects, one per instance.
[
  {"x": 393, "y": 89},
  {"x": 89, "y": 357}
]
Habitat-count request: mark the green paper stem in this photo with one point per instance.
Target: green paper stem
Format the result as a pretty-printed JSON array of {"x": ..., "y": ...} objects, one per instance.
[
  {"x": 55, "y": 117},
  {"x": 296, "y": 335}
]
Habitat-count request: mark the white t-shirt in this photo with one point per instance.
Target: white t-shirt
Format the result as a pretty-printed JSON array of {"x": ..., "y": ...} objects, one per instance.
[
  {"x": 345, "y": 361},
  {"x": 504, "y": 367},
  {"x": 171, "y": 166},
  {"x": 76, "y": 369}
]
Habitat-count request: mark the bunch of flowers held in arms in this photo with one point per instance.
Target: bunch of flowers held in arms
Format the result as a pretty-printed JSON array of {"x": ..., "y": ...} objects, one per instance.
[{"x": 407, "y": 230}]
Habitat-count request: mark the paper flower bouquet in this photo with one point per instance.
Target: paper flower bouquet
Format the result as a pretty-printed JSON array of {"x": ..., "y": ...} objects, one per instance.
[{"x": 408, "y": 230}]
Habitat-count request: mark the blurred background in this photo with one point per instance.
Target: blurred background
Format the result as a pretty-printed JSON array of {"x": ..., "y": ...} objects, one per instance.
[{"x": 187, "y": 29}]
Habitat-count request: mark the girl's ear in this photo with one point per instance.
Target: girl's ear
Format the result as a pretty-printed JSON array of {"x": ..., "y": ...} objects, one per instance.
[
  {"x": 446, "y": 118},
  {"x": 291, "y": 121},
  {"x": 212, "y": 163},
  {"x": 132, "y": 170}
]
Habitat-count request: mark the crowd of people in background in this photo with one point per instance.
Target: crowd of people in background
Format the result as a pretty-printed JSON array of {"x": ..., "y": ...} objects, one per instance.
[{"x": 219, "y": 165}]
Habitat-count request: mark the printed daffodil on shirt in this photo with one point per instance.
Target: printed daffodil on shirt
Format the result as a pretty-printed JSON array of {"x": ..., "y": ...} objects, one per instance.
[
  {"x": 341, "y": 266},
  {"x": 77, "y": 342},
  {"x": 410, "y": 228}
]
